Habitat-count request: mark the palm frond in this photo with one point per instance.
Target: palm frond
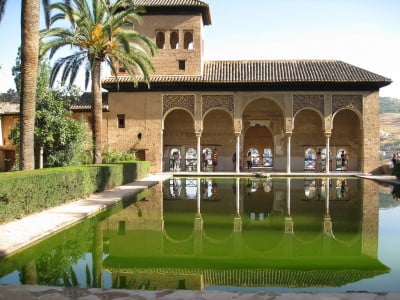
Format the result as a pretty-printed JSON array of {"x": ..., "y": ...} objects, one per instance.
[
  {"x": 46, "y": 11},
  {"x": 2, "y": 8}
]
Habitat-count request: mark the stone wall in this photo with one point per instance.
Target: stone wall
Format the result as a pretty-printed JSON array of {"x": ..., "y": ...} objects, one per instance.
[
  {"x": 370, "y": 138},
  {"x": 166, "y": 60}
]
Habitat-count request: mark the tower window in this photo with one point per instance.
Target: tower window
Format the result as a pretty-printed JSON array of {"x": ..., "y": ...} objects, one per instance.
[
  {"x": 182, "y": 64},
  {"x": 121, "y": 121},
  {"x": 174, "y": 40},
  {"x": 188, "y": 40},
  {"x": 160, "y": 40}
]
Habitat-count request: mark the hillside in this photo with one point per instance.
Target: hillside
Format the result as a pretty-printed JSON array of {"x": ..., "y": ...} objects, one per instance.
[
  {"x": 390, "y": 105},
  {"x": 390, "y": 125}
]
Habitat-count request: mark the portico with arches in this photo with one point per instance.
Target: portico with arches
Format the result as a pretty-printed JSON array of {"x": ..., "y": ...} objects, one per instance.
[{"x": 282, "y": 112}]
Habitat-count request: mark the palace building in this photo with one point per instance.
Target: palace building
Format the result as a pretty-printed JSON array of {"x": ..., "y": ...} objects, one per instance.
[{"x": 281, "y": 111}]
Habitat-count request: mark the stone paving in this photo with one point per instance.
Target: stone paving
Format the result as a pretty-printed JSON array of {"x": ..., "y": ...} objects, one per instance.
[{"x": 30, "y": 292}]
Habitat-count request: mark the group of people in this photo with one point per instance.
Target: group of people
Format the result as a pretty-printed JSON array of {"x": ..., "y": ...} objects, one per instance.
[
  {"x": 319, "y": 160},
  {"x": 176, "y": 158}
]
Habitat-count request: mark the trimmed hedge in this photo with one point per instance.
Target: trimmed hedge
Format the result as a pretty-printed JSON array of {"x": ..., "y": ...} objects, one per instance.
[{"x": 26, "y": 192}]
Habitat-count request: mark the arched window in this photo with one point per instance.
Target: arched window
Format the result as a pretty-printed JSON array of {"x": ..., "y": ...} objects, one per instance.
[
  {"x": 175, "y": 152},
  {"x": 341, "y": 159},
  {"x": 206, "y": 158},
  {"x": 309, "y": 159},
  {"x": 188, "y": 40},
  {"x": 255, "y": 157},
  {"x": 267, "y": 157},
  {"x": 174, "y": 40},
  {"x": 160, "y": 40},
  {"x": 191, "y": 159}
]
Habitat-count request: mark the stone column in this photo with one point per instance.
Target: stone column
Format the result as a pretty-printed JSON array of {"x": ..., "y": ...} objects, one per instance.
[
  {"x": 328, "y": 230},
  {"x": 288, "y": 218},
  {"x": 288, "y": 152},
  {"x": 198, "y": 166},
  {"x": 328, "y": 154},
  {"x": 1, "y": 132},
  {"x": 238, "y": 155},
  {"x": 198, "y": 220},
  {"x": 237, "y": 220}
]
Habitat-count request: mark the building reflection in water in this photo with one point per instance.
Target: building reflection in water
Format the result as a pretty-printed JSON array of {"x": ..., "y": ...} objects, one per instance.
[
  {"x": 193, "y": 232},
  {"x": 246, "y": 232}
]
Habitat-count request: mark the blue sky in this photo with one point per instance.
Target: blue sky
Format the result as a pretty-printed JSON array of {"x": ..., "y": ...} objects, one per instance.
[{"x": 365, "y": 33}]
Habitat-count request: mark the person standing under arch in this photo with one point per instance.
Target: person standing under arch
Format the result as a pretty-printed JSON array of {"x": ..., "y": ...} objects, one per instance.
[
  {"x": 214, "y": 159},
  {"x": 343, "y": 158}
]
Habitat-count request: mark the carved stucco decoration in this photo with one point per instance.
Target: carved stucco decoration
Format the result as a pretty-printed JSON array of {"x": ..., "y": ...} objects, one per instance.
[
  {"x": 308, "y": 101},
  {"x": 218, "y": 101},
  {"x": 347, "y": 101},
  {"x": 178, "y": 101},
  {"x": 238, "y": 126}
]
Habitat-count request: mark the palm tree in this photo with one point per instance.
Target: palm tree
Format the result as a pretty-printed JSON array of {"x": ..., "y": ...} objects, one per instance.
[
  {"x": 30, "y": 16},
  {"x": 100, "y": 33}
]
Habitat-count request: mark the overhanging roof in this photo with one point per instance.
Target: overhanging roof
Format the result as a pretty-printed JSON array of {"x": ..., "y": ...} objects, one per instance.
[
  {"x": 9, "y": 103},
  {"x": 176, "y": 7},
  {"x": 263, "y": 75}
]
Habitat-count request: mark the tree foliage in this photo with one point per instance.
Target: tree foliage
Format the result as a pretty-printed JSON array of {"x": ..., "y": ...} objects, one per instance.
[
  {"x": 99, "y": 31},
  {"x": 390, "y": 105},
  {"x": 61, "y": 137}
]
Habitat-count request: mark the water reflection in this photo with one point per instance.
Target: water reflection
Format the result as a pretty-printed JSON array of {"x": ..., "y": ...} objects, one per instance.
[{"x": 190, "y": 233}]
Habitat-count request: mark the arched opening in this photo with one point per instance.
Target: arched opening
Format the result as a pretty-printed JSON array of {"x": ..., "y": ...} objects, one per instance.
[
  {"x": 341, "y": 159},
  {"x": 307, "y": 133},
  {"x": 179, "y": 136},
  {"x": 175, "y": 159},
  {"x": 174, "y": 40},
  {"x": 190, "y": 159},
  {"x": 268, "y": 158},
  {"x": 218, "y": 134},
  {"x": 264, "y": 121},
  {"x": 160, "y": 40},
  {"x": 188, "y": 40},
  {"x": 309, "y": 159},
  {"x": 259, "y": 141},
  {"x": 346, "y": 135},
  {"x": 206, "y": 159}
]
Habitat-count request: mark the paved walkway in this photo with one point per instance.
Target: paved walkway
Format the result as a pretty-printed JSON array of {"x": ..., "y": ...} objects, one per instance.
[
  {"x": 27, "y": 292},
  {"x": 21, "y": 233}
]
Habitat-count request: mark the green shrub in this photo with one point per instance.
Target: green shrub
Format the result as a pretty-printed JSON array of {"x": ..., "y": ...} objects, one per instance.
[
  {"x": 25, "y": 192},
  {"x": 113, "y": 156}
]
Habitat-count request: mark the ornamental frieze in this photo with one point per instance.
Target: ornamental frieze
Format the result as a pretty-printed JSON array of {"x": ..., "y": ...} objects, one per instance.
[
  {"x": 347, "y": 101},
  {"x": 308, "y": 101},
  {"x": 217, "y": 101},
  {"x": 178, "y": 101}
]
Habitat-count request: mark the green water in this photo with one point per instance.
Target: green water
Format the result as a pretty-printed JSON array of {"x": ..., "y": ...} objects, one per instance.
[{"x": 337, "y": 234}]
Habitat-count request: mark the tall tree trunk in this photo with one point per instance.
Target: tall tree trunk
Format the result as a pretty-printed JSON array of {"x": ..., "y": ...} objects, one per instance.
[
  {"x": 97, "y": 111},
  {"x": 29, "y": 67}
]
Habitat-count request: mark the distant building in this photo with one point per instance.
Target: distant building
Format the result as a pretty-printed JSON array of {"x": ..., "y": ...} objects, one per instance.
[{"x": 282, "y": 111}]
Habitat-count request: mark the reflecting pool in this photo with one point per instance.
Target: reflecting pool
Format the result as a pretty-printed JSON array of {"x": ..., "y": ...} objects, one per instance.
[{"x": 248, "y": 234}]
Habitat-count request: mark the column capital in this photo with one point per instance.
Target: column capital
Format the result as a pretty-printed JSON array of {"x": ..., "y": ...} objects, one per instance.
[
  {"x": 288, "y": 134},
  {"x": 328, "y": 134},
  {"x": 198, "y": 134},
  {"x": 237, "y": 134}
]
